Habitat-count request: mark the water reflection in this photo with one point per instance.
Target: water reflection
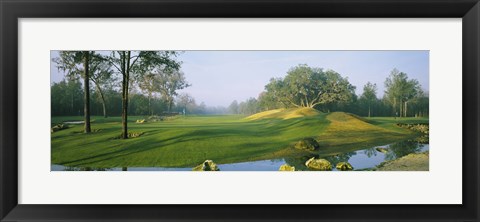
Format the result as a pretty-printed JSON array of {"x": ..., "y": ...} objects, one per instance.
[
  {"x": 298, "y": 162},
  {"x": 344, "y": 157},
  {"x": 370, "y": 152},
  {"x": 360, "y": 159},
  {"x": 397, "y": 150}
]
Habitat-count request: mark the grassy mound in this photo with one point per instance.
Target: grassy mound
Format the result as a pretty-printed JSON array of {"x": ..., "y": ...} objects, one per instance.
[
  {"x": 340, "y": 121},
  {"x": 284, "y": 113},
  {"x": 353, "y": 133}
]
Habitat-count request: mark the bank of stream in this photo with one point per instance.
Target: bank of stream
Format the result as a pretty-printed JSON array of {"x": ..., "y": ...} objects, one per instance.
[{"x": 365, "y": 159}]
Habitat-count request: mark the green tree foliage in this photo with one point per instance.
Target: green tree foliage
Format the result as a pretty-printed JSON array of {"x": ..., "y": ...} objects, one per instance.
[
  {"x": 420, "y": 104},
  {"x": 150, "y": 81},
  {"x": 268, "y": 101},
  {"x": 305, "y": 86},
  {"x": 102, "y": 76},
  {"x": 168, "y": 83},
  {"x": 74, "y": 64},
  {"x": 132, "y": 65},
  {"x": 186, "y": 103},
  {"x": 400, "y": 90},
  {"x": 369, "y": 96},
  {"x": 233, "y": 108},
  {"x": 67, "y": 98},
  {"x": 248, "y": 107}
]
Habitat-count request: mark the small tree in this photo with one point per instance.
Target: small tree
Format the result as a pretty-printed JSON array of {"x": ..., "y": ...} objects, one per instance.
[{"x": 369, "y": 95}]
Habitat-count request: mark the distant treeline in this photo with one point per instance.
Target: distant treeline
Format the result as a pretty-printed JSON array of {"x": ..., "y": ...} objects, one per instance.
[
  {"x": 67, "y": 100},
  {"x": 328, "y": 91}
]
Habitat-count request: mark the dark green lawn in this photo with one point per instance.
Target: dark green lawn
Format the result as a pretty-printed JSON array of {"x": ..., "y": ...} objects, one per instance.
[{"x": 188, "y": 141}]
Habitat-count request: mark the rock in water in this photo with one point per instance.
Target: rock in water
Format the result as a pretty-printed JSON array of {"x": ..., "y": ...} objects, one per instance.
[
  {"x": 344, "y": 166},
  {"x": 318, "y": 164},
  {"x": 307, "y": 144},
  {"x": 286, "y": 167},
  {"x": 382, "y": 150},
  {"x": 208, "y": 165}
]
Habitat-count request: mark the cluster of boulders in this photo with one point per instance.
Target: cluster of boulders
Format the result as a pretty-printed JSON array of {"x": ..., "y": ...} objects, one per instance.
[
  {"x": 154, "y": 118},
  {"x": 344, "y": 166},
  {"x": 207, "y": 165},
  {"x": 58, "y": 127},
  {"x": 423, "y": 128},
  {"x": 130, "y": 135},
  {"x": 286, "y": 167},
  {"x": 311, "y": 144},
  {"x": 320, "y": 165},
  {"x": 134, "y": 134},
  {"x": 163, "y": 117},
  {"x": 312, "y": 163},
  {"x": 422, "y": 139}
]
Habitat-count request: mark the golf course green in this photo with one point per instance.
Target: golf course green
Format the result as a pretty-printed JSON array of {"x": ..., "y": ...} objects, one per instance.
[{"x": 186, "y": 141}]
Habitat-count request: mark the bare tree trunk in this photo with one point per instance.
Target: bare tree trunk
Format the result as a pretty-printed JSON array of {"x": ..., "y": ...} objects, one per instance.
[
  {"x": 125, "y": 81},
  {"x": 72, "y": 109},
  {"x": 86, "y": 82},
  {"x": 102, "y": 97},
  {"x": 401, "y": 107},
  {"x": 395, "y": 107},
  {"x": 405, "y": 109},
  {"x": 368, "y": 110},
  {"x": 150, "y": 104},
  {"x": 169, "y": 105},
  {"x": 104, "y": 106}
]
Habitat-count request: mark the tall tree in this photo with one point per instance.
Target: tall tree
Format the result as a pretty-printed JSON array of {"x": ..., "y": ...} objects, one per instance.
[
  {"x": 77, "y": 63},
  {"x": 169, "y": 82},
  {"x": 305, "y": 86},
  {"x": 369, "y": 95},
  {"x": 134, "y": 64},
  {"x": 399, "y": 90},
  {"x": 86, "y": 83}
]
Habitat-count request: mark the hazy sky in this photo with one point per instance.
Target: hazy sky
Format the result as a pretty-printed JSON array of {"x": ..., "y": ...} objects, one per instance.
[{"x": 219, "y": 77}]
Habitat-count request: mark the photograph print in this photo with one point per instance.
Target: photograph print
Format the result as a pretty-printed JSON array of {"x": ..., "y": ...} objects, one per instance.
[{"x": 239, "y": 110}]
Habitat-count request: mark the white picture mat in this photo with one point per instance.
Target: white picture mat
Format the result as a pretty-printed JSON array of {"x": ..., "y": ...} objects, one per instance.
[{"x": 441, "y": 185}]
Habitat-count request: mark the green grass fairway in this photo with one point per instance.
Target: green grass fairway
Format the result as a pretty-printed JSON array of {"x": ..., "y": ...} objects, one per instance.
[{"x": 188, "y": 141}]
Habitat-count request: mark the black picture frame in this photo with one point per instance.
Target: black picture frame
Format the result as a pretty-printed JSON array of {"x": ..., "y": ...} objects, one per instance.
[{"x": 12, "y": 10}]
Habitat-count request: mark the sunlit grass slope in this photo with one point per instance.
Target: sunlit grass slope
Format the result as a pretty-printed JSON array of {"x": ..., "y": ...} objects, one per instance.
[
  {"x": 188, "y": 141},
  {"x": 285, "y": 113},
  {"x": 347, "y": 132}
]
